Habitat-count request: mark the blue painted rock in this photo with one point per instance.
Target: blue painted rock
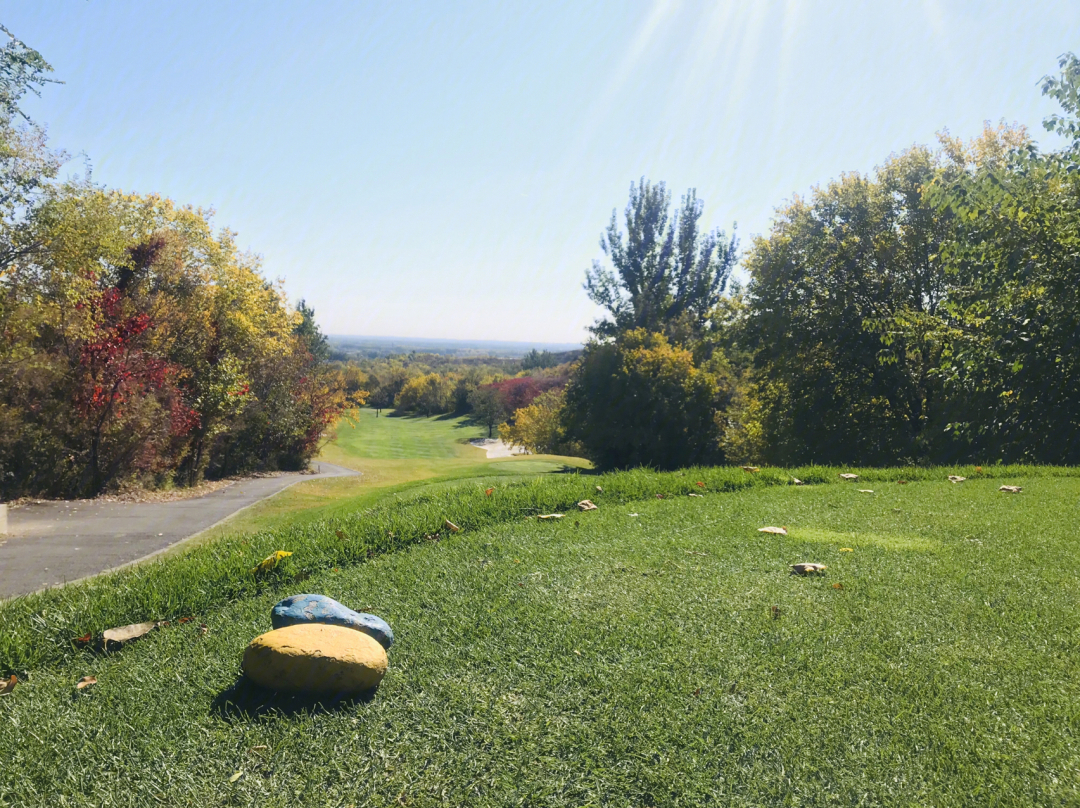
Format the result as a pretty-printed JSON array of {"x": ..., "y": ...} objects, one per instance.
[
  {"x": 315, "y": 658},
  {"x": 321, "y": 609}
]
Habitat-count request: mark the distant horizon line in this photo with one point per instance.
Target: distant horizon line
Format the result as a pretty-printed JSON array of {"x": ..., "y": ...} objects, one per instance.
[{"x": 453, "y": 340}]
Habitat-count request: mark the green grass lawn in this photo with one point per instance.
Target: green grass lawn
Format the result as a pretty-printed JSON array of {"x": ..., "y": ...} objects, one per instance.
[
  {"x": 393, "y": 454},
  {"x": 653, "y": 652}
]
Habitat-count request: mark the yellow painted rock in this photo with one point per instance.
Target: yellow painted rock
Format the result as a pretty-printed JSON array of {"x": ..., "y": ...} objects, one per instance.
[{"x": 315, "y": 658}]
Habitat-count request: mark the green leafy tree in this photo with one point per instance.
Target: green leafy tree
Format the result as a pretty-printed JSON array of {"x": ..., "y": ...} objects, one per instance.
[
  {"x": 488, "y": 407},
  {"x": 640, "y": 401},
  {"x": 838, "y": 379},
  {"x": 666, "y": 274}
]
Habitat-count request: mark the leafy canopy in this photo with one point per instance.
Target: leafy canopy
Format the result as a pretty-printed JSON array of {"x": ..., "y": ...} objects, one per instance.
[{"x": 667, "y": 274}]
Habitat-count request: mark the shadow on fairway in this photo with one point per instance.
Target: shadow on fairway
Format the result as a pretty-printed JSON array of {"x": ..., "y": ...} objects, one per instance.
[{"x": 245, "y": 701}]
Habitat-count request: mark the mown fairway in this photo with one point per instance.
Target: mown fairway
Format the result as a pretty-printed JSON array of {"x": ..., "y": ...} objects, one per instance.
[
  {"x": 393, "y": 454},
  {"x": 619, "y": 659}
]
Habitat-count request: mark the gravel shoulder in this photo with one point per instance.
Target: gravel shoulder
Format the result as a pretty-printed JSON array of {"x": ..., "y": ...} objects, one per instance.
[{"x": 52, "y": 543}]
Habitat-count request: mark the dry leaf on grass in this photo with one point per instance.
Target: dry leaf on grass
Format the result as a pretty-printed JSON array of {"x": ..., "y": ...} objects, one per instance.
[
  {"x": 775, "y": 612},
  {"x": 599, "y": 490},
  {"x": 837, "y": 586},
  {"x": 451, "y": 526},
  {"x": 779, "y": 530},
  {"x": 978, "y": 469},
  {"x": 86, "y": 681},
  {"x": 901, "y": 482},
  {"x": 849, "y": 477},
  {"x": 9, "y": 685},
  {"x": 866, "y": 490},
  {"x": 955, "y": 479},
  {"x": 586, "y": 505},
  {"x": 115, "y": 638},
  {"x": 489, "y": 491},
  {"x": 340, "y": 534},
  {"x": 750, "y": 469},
  {"x": 699, "y": 484},
  {"x": 807, "y": 568},
  {"x": 550, "y": 516},
  {"x": 236, "y": 776},
  {"x": 1011, "y": 489},
  {"x": 84, "y": 639},
  {"x": 271, "y": 561},
  {"x": 797, "y": 481},
  {"x": 699, "y": 496}
]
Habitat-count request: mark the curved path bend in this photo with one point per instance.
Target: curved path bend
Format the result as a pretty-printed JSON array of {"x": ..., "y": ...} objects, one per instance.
[{"x": 52, "y": 543}]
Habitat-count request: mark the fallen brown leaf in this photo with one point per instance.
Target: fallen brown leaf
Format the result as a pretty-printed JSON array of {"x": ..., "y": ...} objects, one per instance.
[
  {"x": 699, "y": 484},
  {"x": 451, "y": 526},
  {"x": 84, "y": 639},
  {"x": 849, "y": 477},
  {"x": 9, "y": 685},
  {"x": 1011, "y": 489},
  {"x": 807, "y": 568},
  {"x": 955, "y": 479},
  {"x": 114, "y": 638},
  {"x": 586, "y": 505},
  {"x": 775, "y": 612},
  {"x": 837, "y": 586},
  {"x": 901, "y": 482},
  {"x": 978, "y": 469},
  {"x": 86, "y": 681},
  {"x": 699, "y": 496},
  {"x": 489, "y": 491},
  {"x": 866, "y": 490},
  {"x": 340, "y": 534},
  {"x": 782, "y": 531},
  {"x": 599, "y": 490}
]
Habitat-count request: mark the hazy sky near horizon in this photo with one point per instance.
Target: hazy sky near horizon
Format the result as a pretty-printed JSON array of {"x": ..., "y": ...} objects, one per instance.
[{"x": 445, "y": 169}]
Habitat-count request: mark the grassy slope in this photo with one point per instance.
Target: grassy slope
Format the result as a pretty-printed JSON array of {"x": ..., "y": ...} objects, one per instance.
[
  {"x": 620, "y": 659},
  {"x": 393, "y": 454}
]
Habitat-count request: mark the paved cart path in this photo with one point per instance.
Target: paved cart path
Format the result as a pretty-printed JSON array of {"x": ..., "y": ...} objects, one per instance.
[{"x": 53, "y": 543}]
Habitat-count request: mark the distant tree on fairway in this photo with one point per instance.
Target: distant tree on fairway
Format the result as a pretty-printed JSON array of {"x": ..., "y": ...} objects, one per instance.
[
  {"x": 640, "y": 401},
  {"x": 428, "y": 394},
  {"x": 667, "y": 274},
  {"x": 489, "y": 406}
]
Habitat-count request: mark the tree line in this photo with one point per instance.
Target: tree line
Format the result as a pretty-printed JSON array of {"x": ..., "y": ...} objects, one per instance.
[
  {"x": 926, "y": 313},
  {"x": 137, "y": 344}
]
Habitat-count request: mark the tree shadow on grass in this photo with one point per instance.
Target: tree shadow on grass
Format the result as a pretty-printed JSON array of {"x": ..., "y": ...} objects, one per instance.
[{"x": 246, "y": 701}]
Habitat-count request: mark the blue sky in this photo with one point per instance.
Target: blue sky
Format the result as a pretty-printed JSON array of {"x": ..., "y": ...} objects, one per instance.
[{"x": 445, "y": 169}]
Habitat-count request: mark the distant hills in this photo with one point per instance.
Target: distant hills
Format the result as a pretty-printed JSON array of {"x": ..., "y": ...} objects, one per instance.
[{"x": 346, "y": 347}]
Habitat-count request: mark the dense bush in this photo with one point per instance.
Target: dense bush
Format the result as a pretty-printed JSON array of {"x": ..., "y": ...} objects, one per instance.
[{"x": 641, "y": 401}]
